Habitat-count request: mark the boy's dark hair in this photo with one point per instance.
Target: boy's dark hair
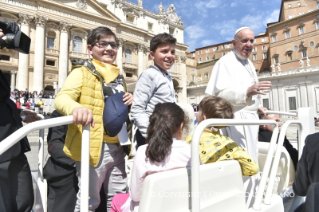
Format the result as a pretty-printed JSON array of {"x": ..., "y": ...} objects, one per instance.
[
  {"x": 159, "y": 39},
  {"x": 216, "y": 107},
  {"x": 99, "y": 32},
  {"x": 164, "y": 123}
]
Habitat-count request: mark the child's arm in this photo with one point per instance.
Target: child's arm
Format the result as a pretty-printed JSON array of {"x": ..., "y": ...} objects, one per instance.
[
  {"x": 248, "y": 166},
  {"x": 144, "y": 91},
  {"x": 66, "y": 101}
]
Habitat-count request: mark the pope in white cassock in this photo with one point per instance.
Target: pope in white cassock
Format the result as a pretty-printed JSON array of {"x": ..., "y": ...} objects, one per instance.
[{"x": 234, "y": 78}]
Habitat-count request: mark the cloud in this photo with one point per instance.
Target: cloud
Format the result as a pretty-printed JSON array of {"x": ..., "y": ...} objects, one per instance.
[
  {"x": 274, "y": 16},
  {"x": 194, "y": 31},
  {"x": 207, "y": 42},
  {"x": 234, "y": 4}
]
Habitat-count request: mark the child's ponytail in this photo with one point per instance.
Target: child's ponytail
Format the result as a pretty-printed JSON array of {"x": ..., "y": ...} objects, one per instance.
[{"x": 164, "y": 124}]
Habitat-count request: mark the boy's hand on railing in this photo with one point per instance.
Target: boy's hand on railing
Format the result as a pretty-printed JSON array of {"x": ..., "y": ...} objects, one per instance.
[
  {"x": 30, "y": 116},
  {"x": 83, "y": 116},
  {"x": 128, "y": 99}
]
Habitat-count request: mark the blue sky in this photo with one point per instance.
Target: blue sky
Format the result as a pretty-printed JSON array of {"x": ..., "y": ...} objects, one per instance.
[{"x": 209, "y": 22}]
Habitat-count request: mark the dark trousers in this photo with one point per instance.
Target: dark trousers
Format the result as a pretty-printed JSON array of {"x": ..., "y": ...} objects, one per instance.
[
  {"x": 140, "y": 140},
  {"x": 16, "y": 190},
  {"x": 62, "y": 186}
]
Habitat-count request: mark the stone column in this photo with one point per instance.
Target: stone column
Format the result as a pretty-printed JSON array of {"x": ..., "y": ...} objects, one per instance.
[
  {"x": 119, "y": 57},
  {"x": 303, "y": 94},
  {"x": 140, "y": 59},
  {"x": 182, "y": 71},
  {"x": 64, "y": 53},
  {"x": 39, "y": 53},
  {"x": 13, "y": 80},
  {"x": 23, "y": 68}
]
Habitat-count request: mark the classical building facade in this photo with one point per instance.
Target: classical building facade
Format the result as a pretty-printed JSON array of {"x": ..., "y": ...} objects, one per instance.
[
  {"x": 58, "y": 31},
  {"x": 287, "y": 55}
]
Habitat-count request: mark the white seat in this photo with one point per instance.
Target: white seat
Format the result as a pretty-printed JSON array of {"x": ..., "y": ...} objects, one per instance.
[
  {"x": 221, "y": 189},
  {"x": 286, "y": 171}
]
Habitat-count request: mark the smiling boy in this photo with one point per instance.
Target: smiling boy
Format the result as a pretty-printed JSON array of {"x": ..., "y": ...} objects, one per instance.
[
  {"x": 82, "y": 96},
  {"x": 154, "y": 85}
]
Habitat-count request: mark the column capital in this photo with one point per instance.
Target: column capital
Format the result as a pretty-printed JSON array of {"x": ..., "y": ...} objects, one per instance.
[
  {"x": 140, "y": 47},
  {"x": 41, "y": 21},
  {"x": 13, "y": 72},
  {"x": 183, "y": 59},
  {"x": 64, "y": 27},
  {"x": 121, "y": 41},
  {"x": 25, "y": 19}
]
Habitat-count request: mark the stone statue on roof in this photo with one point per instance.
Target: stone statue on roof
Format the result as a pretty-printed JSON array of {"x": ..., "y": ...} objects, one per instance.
[
  {"x": 171, "y": 8},
  {"x": 301, "y": 63},
  {"x": 140, "y": 3},
  {"x": 161, "y": 9}
]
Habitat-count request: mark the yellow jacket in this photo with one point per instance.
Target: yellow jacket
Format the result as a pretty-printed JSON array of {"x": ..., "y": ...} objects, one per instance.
[
  {"x": 215, "y": 147},
  {"x": 83, "y": 88}
]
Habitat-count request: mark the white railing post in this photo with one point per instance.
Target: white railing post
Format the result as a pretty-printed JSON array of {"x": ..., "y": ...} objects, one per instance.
[
  {"x": 85, "y": 165},
  {"x": 43, "y": 187}
]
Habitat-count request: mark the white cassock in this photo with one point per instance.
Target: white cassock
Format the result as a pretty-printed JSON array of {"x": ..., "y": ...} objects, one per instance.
[{"x": 230, "y": 79}]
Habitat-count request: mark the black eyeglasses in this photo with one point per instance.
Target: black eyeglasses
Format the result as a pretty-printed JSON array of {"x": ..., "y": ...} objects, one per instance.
[{"x": 103, "y": 44}]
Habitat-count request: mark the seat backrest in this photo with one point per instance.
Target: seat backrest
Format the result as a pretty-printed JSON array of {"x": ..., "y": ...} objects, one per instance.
[
  {"x": 221, "y": 189},
  {"x": 189, "y": 111},
  {"x": 286, "y": 171}
]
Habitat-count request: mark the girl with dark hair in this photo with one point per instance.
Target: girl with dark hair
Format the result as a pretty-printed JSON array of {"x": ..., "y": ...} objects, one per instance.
[{"x": 164, "y": 151}]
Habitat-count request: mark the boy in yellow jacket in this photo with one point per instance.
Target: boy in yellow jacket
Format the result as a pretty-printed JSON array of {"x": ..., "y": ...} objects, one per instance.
[
  {"x": 216, "y": 147},
  {"x": 82, "y": 96}
]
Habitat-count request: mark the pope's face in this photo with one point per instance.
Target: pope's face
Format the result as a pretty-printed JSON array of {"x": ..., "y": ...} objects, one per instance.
[{"x": 244, "y": 42}]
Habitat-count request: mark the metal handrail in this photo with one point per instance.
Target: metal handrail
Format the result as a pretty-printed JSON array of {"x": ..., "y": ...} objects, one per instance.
[
  {"x": 306, "y": 127},
  {"x": 195, "y": 173},
  {"x": 85, "y": 154},
  {"x": 281, "y": 113}
]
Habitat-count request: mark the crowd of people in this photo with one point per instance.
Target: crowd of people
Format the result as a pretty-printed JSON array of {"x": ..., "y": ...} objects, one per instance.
[{"x": 95, "y": 94}]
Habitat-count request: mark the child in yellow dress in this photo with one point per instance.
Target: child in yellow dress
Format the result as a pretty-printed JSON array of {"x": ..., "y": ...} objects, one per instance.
[{"x": 216, "y": 147}]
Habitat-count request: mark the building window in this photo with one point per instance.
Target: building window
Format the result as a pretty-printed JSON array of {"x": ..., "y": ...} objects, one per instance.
[
  {"x": 296, "y": 47},
  {"x": 128, "y": 74},
  {"x": 207, "y": 58},
  {"x": 276, "y": 59},
  {"x": 264, "y": 48},
  {"x": 77, "y": 44},
  {"x": 254, "y": 49},
  {"x": 266, "y": 71},
  {"x": 200, "y": 52},
  {"x": 304, "y": 53},
  {"x": 50, "y": 63},
  {"x": 290, "y": 16},
  {"x": 312, "y": 44},
  {"x": 299, "y": 4},
  {"x": 254, "y": 56},
  {"x": 128, "y": 56},
  {"x": 292, "y": 103},
  {"x": 5, "y": 58},
  {"x": 193, "y": 78},
  {"x": 200, "y": 60},
  {"x": 130, "y": 19},
  {"x": 214, "y": 49},
  {"x": 263, "y": 39},
  {"x": 193, "y": 70},
  {"x": 274, "y": 38},
  {"x": 223, "y": 53},
  {"x": 317, "y": 25},
  {"x": 50, "y": 43},
  {"x": 301, "y": 30},
  {"x": 264, "y": 56},
  {"x": 266, "y": 103},
  {"x": 171, "y": 31},
  {"x": 150, "y": 27},
  {"x": 206, "y": 75},
  {"x": 207, "y": 50},
  {"x": 255, "y": 41},
  {"x": 289, "y": 56},
  {"x": 289, "y": 6},
  {"x": 287, "y": 34},
  {"x": 301, "y": 13}
]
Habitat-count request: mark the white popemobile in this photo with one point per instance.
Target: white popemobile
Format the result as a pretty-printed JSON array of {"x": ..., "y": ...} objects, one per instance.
[{"x": 209, "y": 187}]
